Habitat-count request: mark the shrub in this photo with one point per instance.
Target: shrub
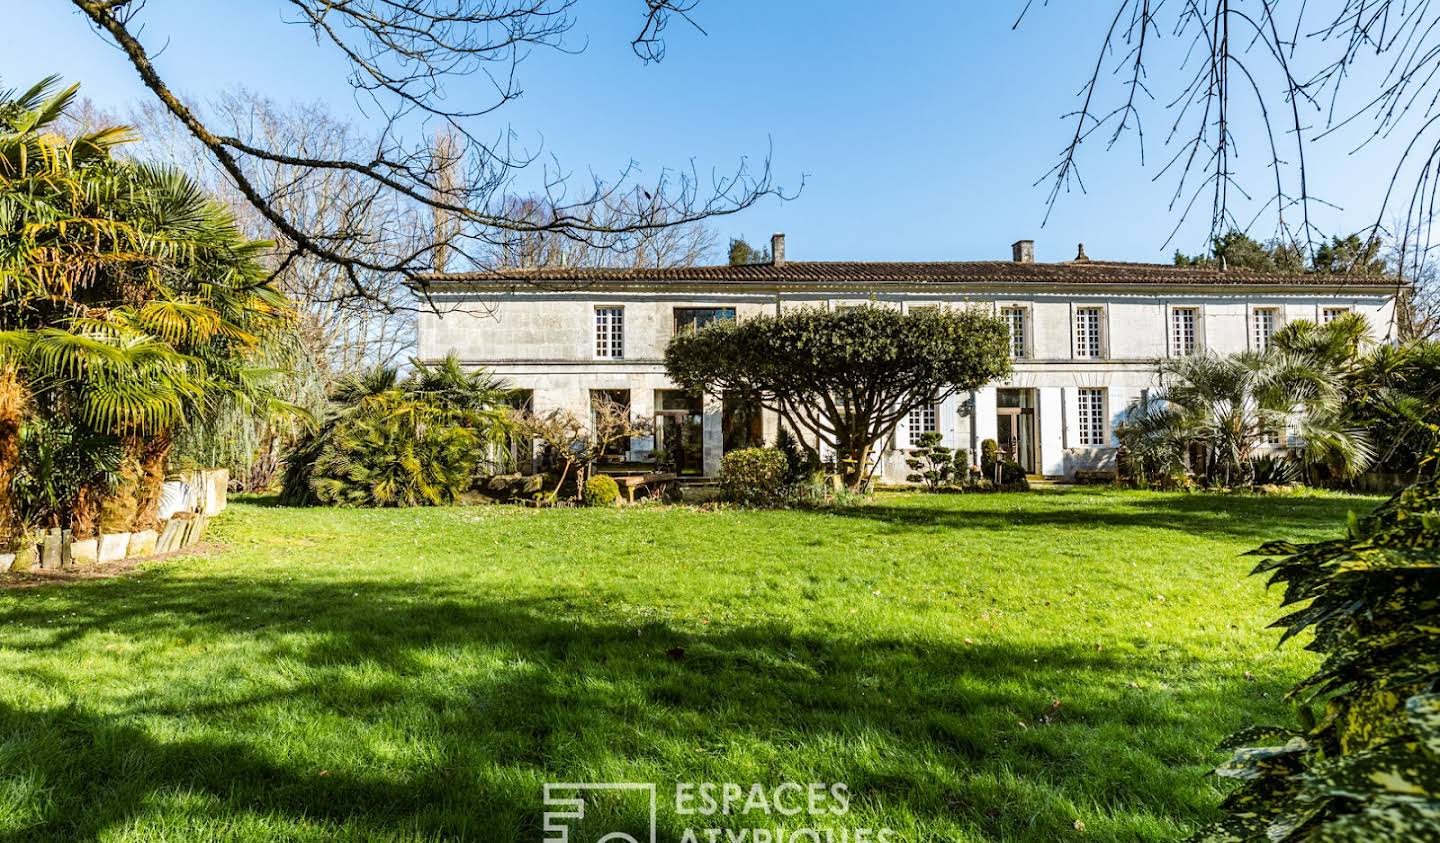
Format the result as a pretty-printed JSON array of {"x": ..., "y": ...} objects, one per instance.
[
  {"x": 393, "y": 442},
  {"x": 930, "y": 463},
  {"x": 1369, "y": 768},
  {"x": 1270, "y": 470},
  {"x": 601, "y": 490},
  {"x": 962, "y": 466},
  {"x": 989, "y": 455},
  {"x": 754, "y": 476},
  {"x": 800, "y": 466}
]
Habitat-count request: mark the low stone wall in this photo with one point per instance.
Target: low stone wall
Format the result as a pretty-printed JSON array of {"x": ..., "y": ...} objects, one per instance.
[{"x": 191, "y": 499}]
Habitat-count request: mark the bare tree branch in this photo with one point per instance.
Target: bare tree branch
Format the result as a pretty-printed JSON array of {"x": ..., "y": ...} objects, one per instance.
[{"x": 402, "y": 54}]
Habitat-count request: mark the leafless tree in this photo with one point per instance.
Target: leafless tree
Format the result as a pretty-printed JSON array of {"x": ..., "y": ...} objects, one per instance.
[
  {"x": 403, "y": 57},
  {"x": 571, "y": 444},
  {"x": 340, "y": 334},
  {"x": 1277, "y": 70},
  {"x": 685, "y": 244}
]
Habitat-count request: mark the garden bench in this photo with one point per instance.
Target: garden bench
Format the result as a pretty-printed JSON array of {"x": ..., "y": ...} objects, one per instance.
[{"x": 655, "y": 484}]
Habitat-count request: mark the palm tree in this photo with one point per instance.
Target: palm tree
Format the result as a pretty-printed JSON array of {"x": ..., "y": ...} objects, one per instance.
[
  {"x": 129, "y": 299},
  {"x": 1212, "y": 414},
  {"x": 394, "y": 442}
]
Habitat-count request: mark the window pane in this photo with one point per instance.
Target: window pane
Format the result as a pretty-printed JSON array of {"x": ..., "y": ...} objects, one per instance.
[
  {"x": 610, "y": 332},
  {"x": 923, "y": 419},
  {"x": 1264, "y": 327},
  {"x": 1182, "y": 331},
  {"x": 1015, "y": 320},
  {"x": 1087, "y": 332},
  {"x": 694, "y": 318},
  {"x": 1092, "y": 417}
]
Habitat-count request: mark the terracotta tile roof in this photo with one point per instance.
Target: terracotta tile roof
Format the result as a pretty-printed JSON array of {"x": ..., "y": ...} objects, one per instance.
[{"x": 896, "y": 273}]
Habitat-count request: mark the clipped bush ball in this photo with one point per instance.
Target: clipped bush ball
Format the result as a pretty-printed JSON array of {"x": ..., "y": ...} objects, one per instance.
[
  {"x": 754, "y": 476},
  {"x": 601, "y": 490}
]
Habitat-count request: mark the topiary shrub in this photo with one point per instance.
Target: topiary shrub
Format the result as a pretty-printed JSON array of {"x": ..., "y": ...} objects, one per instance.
[
  {"x": 754, "y": 476},
  {"x": 931, "y": 463},
  {"x": 601, "y": 490},
  {"x": 989, "y": 455},
  {"x": 1369, "y": 767},
  {"x": 962, "y": 466}
]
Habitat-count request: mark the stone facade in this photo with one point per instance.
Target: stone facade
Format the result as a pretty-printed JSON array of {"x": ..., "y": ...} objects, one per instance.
[{"x": 1086, "y": 349}]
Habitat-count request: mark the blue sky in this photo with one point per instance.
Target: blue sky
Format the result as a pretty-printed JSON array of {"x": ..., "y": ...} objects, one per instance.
[{"x": 920, "y": 129}]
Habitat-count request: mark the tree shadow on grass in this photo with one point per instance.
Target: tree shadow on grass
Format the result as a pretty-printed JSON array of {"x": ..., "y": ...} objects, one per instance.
[
  {"x": 1241, "y": 516},
  {"x": 450, "y": 710}
]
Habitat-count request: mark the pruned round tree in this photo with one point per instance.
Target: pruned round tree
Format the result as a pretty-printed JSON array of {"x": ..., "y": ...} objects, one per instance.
[{"x": 844, "y": 378}]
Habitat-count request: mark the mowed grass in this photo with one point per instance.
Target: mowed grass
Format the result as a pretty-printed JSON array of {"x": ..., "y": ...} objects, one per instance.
[{"x": 971, "y": 667}]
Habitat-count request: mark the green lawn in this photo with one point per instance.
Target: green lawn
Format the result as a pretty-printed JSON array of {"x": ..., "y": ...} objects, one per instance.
[{"x": 972, "y": 667}]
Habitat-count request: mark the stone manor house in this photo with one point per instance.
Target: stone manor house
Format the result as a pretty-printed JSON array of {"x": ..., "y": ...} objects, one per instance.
[{"x": 1085, "y": 335}]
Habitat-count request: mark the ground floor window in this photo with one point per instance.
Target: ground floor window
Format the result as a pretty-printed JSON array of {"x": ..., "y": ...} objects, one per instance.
[
  {"x": 923, "y": 419},
  {"x": 1092, "y": 417},
  {"x": 741, "y": 421},
  {"x": 606, "y": 404},
  {"x": 679, "y": 431},
  {"x": 520, "y": 449}
]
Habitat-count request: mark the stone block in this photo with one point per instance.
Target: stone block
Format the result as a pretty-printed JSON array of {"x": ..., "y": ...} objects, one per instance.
[
  {"x": 6, "y": 560},
  {"x": 67, "y": 558},
  {"x": 26, "y": 555},
  {"x": 142, "y": 543},
  {"x": 85, "y": 551},
  {"x": 196, "y": 530},
  {"x": 170, "y": 535},
  {"x": 113, "y": 546},
  {"x": 50, "y": 549}
]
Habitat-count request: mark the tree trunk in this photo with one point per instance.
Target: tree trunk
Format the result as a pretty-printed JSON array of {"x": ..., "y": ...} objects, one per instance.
[
  {"x": 854, "y": 461},
  {"x": 85, "y": 513},
  {"x": 12, "y": 400},
  {"x": 153, "y": 455}
]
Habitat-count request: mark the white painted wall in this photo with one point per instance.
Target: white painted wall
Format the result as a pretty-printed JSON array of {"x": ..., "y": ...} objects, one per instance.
[{"x": 545, "y": 341}]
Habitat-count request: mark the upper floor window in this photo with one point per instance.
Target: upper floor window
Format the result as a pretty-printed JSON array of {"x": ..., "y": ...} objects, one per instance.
[
  {"x": 610, "y": 332},
  {"x": 695, "y": 318},
  {"x": 1330, "y": 314},
  {"x": 923, "y": 419},
  {"x": 1015, "y": 319},
  {"x": 1182, "y": 330},
  {"x": 1264, "y": 319},
  {"x": 1092, "y": 417},
  {"x": 1087, "y": 331}
]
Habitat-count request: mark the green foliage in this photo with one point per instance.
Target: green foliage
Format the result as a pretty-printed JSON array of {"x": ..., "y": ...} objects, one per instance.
[
  {"x": 601, "y": 490},
  {"x": 963, "y": 467},
  {"x": 1237, "y": 250},
  {"x": 850, "y": 375},
  {"x": 1213, "y": 412},
  {"x": 57, "y": 460},
  {"x": 131, "y": 303},
  {"x": 1349, "y": 255},
  {"x": 1369, "y": 768},
  {"x": 754, "y": 476},
  {"x": 393, "y": 442},
  {"x": 931, "y": 463},
  {"x": 989, "y": 456},
  {"x": 800, "y": 464},
  {"x": 741, "y": 253},
  {"x": 1397, "y": 397},
  {"x": 1273, "y": 470}
]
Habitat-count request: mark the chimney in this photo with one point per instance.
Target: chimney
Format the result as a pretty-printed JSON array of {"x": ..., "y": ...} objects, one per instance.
[
  {"x": 777, "y": 248},
  {"x": 1023, "y": 251},
  {"x": 1081, "y": 257}
]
